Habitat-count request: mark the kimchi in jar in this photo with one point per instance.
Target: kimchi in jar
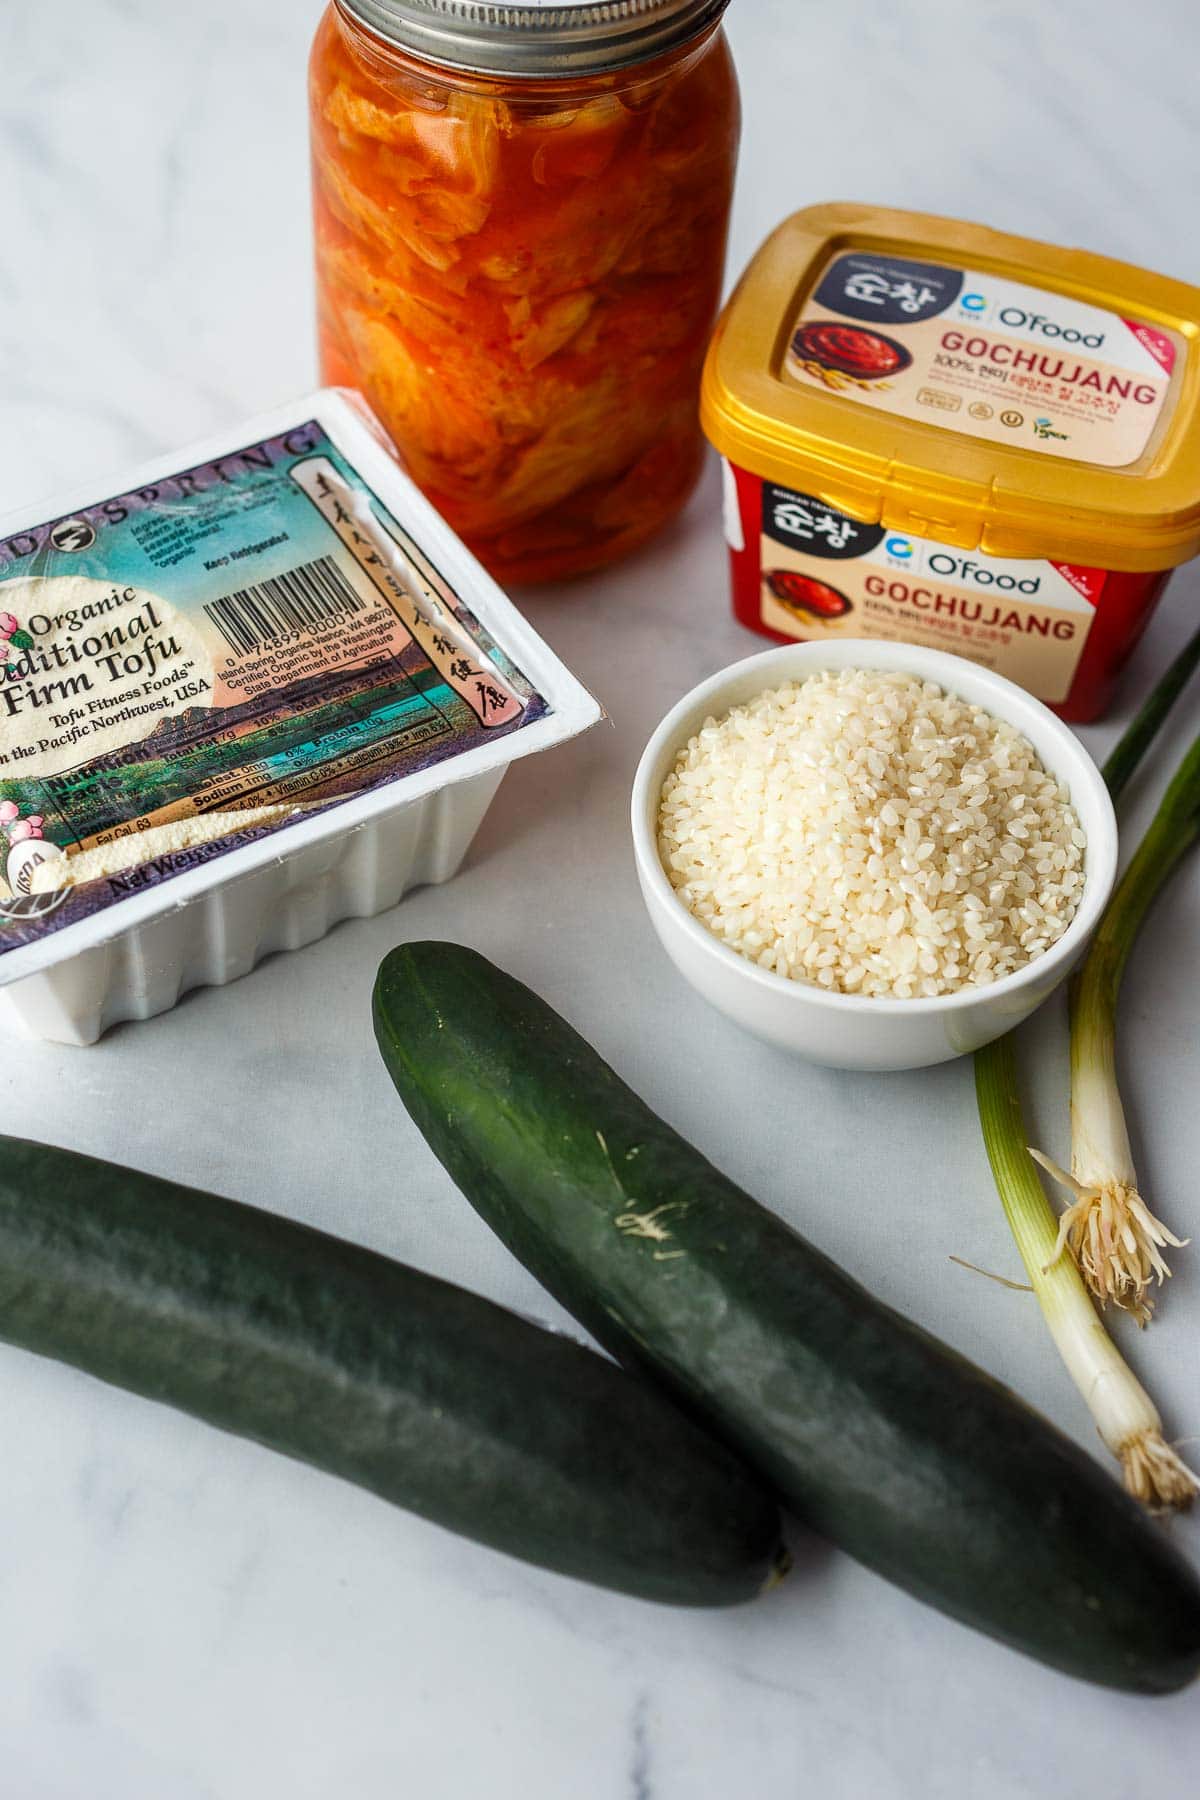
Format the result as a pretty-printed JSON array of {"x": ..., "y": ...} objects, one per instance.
[{"x": 520, "y": 233}]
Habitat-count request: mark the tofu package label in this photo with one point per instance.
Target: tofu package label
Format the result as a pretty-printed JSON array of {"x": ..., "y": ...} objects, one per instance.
[{"x": 193, "y": 662}]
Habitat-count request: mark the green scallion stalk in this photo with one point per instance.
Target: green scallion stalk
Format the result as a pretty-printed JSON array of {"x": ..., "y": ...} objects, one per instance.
[
  {"x": 1125, "y": 1416},
  {"x": 1111, "y": 1232},
  {"x": 1138, "y": 736}
]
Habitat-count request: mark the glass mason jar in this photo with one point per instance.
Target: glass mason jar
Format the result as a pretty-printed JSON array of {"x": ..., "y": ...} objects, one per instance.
[{"x": 520, "y": 234}]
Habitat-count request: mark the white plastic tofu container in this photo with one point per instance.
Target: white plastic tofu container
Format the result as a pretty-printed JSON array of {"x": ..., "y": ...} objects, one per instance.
[{"x": 259, "y": 688}]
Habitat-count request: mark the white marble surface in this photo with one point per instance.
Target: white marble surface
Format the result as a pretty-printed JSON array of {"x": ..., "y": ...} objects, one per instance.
[{"x": 190, "y": 1618}]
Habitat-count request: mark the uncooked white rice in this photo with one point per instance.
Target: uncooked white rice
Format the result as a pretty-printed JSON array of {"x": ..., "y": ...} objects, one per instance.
[{"x": 873, "y": 834}]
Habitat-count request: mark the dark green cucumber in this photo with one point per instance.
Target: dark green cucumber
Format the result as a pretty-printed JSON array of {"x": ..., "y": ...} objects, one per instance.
[
  {"x": 429, "y": 1396},
  {"x": 879, "y": 1436}
]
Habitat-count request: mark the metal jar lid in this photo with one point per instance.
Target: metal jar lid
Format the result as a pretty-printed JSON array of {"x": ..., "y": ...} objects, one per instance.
[{"x": 540, "y": 38}]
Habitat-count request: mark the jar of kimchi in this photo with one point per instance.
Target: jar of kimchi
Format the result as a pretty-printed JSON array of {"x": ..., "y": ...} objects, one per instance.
[{"x": 521, "y": 215}]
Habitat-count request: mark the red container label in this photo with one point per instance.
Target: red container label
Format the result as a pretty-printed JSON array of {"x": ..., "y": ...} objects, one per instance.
[{"x": 803, "y": 570}]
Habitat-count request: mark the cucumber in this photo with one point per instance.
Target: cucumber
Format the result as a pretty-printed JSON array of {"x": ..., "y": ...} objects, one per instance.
[
  {"x": 879, "y": 1436},
  {"x": 427, "y": 1395}
]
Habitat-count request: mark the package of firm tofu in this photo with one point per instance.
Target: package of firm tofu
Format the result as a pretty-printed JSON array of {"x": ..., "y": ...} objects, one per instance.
[{"x": 252, "y": 689}]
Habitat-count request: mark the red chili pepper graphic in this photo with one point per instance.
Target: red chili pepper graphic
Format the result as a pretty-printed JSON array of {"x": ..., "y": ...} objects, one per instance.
[
  {"x": 803, "y": 594},
  {"x": 850, "y": 350}
]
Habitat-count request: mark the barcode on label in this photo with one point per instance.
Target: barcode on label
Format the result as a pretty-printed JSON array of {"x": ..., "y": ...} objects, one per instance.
[{"x": 306, "y": 599}]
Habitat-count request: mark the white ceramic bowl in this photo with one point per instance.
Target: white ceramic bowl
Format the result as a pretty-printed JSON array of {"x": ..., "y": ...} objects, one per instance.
[{"x": 850, "y": 1031}]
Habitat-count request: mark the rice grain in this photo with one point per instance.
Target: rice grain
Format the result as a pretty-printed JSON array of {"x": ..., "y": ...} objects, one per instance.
[{"x": 873, "y": 834}]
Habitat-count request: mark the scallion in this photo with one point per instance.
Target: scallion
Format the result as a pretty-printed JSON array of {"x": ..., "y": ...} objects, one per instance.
[
  {"x": 1115, "y": 1238},
  {"x": 1125, "y": 1416},
  {"x": 1140, "y": 733}
]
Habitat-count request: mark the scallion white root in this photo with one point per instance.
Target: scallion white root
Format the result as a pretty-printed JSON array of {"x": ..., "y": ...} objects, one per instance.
[
  {"x": 1108, "y": 1228},
  {"x": 1115, "y": 1239},
  {"x": 1125, "y": 1415}
]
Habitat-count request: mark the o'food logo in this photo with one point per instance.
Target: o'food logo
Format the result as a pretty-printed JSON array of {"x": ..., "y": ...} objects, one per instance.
[{"x": 1017, "y": 319}]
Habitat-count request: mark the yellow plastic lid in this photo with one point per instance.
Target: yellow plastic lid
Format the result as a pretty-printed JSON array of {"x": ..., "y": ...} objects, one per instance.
[{"x": 956, "y": 383}]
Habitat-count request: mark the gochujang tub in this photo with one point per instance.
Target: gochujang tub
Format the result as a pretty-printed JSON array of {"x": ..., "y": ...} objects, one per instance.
[{"x": 939, "y": 434}]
